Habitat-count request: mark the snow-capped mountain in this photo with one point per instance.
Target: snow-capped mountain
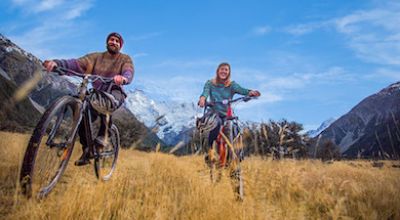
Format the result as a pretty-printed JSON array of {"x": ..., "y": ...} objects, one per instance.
[
  {"x": 173, "y": 119},
  {"x": 323, "y": 126}
]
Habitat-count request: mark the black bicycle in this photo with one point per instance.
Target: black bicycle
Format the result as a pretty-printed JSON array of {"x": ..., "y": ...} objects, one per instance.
[{"x": 52, "y": 142}]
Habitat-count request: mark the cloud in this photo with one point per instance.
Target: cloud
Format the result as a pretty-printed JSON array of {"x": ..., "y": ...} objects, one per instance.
[
  {"x": 374, "y": 34},
  {"x": 385, "y": 73},
  {"x": 281, "y": 87},
  {"x": 184, "y": 64},
  {"x": 145, "y": 36},
  {"x": 302, "y": 29},
  {"x": 76, "y": 10},
  {"x": 68, "y": 9},
  {"x": 260, "y": 31},
  {"x": 137, "y": 55},
  {"x": 47, "y": 5},
  {"x": 41, "y": 36}
]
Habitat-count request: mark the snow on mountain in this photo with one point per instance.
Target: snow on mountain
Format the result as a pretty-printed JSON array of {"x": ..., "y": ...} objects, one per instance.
[
  {"x": 10, "y": 46},
  {"x": 171, "y": 117},
  {"x": 323, "y": 126}
]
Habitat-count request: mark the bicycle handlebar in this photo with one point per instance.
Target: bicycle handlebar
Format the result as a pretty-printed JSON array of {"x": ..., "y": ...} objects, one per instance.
[
  {"x": 228, "y": 101},
  {"x": 62, "y": 71}
]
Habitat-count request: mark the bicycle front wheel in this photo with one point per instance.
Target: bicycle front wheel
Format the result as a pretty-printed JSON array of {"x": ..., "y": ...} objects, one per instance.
[
  {"x": 50, "y": 147},
  {"x": 106, "y": 156}
]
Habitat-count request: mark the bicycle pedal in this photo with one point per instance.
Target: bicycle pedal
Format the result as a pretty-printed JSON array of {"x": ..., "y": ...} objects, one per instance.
[{"x": 82, "y": 162}]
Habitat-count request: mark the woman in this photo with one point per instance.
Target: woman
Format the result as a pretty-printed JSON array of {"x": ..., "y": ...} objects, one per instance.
[{"x": 218, "y": 89}]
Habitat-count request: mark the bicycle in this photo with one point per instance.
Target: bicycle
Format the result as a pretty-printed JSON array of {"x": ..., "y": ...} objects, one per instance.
[
  {"x": 227, "y": 150},
  {"x": 51, "y": 144}
]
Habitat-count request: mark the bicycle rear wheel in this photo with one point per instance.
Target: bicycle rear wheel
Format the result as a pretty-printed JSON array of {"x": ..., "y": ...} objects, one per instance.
[
  {"x": 106, "y": 156},
  {"x": 50, "y": 147}
]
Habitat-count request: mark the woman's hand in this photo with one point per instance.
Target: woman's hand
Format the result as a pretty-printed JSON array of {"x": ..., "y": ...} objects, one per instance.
[
  {"x": 254, "y": 93},
  {"x": 202, "y": 101}
]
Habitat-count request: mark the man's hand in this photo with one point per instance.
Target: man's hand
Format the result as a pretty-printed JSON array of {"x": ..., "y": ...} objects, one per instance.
[
  {"x": 202, "y": 101},
  {"x": 49, "y": 65},
  {"x": 120, "y": 80},
  {"x": 254, "y": 93}
]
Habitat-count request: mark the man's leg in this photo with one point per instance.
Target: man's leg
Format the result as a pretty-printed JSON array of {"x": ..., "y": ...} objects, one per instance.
[
  {"x": 84, "y": 159},
  {"x": 106, "y": 120}
]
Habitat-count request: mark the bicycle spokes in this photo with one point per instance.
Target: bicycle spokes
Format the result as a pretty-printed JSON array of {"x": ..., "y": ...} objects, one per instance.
[{"x": 106, "y": 155}]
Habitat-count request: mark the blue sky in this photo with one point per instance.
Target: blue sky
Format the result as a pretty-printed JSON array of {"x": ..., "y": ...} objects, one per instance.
[{"x": 311, "y": 60}]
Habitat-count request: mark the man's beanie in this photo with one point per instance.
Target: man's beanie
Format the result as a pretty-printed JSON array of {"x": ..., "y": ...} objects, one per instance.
[{"x": 115, "y": 34}]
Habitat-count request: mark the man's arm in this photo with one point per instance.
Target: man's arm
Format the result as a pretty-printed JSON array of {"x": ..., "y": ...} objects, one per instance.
[
  {"x": 78, "y": 65},
  {"x": 128, "y": 71}
]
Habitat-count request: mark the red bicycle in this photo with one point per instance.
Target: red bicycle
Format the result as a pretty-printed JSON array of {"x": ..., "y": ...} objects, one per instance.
[{"x": 226, "y": 151}]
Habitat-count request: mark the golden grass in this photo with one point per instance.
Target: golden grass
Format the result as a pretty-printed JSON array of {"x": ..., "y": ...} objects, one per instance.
[{"x": 160, "y": 186}]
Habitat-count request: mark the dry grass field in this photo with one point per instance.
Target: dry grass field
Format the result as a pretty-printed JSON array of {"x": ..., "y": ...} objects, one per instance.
[{"x": 160, "y": 186}]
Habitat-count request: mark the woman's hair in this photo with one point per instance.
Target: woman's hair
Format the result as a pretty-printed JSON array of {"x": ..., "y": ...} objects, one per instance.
[{"x": 216, "y": 80}]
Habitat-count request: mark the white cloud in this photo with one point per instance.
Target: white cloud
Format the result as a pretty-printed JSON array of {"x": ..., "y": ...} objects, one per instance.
[
  {"x": 374, "y": 34},
  {"x": 77, "y": 9},
  {"x": 260, "y": 31},
  {"x": 282, "y": 87},
  {"x": 46, "y": 5},
  {"x": 145, "y": 36},
  {"x": 385, "y": 73},
  {"x": 302, "y": 29},
  {"x": 137, "y": 55},
  {"x": 182, "y": 64},
  {"x": 52, "y": 21}
]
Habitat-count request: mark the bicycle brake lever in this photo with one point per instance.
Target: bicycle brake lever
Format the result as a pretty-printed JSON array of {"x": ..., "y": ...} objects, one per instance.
[{"x": 246, "y": 99}]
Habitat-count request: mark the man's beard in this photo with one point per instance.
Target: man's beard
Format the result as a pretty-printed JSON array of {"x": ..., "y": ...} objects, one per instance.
[{"x": 112, "y": 49}]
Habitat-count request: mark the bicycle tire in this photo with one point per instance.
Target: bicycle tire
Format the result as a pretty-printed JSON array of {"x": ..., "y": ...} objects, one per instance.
[
  {"x": 214, "y": 163},
  {"x": 55, "y": 133},
  {"x": 106, "y": 157},
  {"x": 234, "y": 163}
]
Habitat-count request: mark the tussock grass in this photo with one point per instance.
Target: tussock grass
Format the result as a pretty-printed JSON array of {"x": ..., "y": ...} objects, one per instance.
[{"x": 161, "y": 186}]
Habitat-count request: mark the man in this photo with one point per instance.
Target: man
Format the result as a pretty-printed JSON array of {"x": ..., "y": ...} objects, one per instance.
[{"x": 111, "y": 63}]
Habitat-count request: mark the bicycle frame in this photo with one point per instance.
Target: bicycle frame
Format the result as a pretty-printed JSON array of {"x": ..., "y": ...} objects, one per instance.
[
  {"x": 85, "y": 118},
  {"x": 225, "y": 145},
  {"x": 46, "y": 135},
  {"x": 229, "y": 144},
  {"x": 223, "y": 140}
]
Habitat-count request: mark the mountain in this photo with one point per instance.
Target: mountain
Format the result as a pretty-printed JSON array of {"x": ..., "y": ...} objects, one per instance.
[
  {"x": 322, "y": 127},
  {"x": 173, "y": 120},
  {"x": 15, "y": 67},
  {"x": 22, "y": 72},
  {"x": 371, "y": 128}
]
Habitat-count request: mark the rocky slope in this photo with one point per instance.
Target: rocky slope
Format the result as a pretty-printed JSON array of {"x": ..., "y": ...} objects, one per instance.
[{"x": 371, "y": 128}]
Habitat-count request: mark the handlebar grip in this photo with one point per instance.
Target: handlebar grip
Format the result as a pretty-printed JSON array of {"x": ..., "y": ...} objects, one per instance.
[{"x": 58, "y": 70}]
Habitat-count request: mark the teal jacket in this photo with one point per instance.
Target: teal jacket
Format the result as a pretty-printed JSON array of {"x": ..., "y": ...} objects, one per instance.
[{"x": 220, "y": 92}]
